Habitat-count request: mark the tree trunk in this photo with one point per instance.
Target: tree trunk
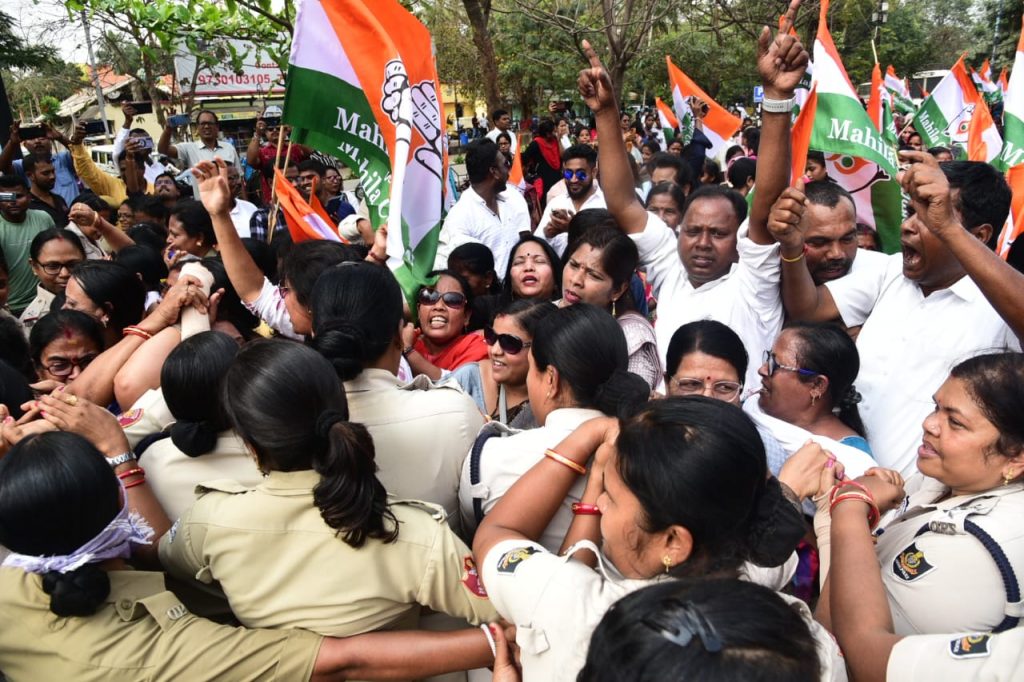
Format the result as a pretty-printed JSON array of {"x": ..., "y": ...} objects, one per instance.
[{"x": 478, "y": 12}]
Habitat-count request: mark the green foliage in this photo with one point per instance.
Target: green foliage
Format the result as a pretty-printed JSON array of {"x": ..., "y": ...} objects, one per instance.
[
  {"x": 14, "y": 53},
  {"x": 56, "y": 80}
]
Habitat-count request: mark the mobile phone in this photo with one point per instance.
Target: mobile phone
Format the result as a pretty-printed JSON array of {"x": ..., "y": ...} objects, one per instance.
[
  {"x": 9, "y": 196},
  {"x": 178, "y": 120},
  {"x": 273, "y": 121},
  {"x": 145, "y": 143},
  {"x": 142, "y": 107},
  {"x": 31, "y": 132},
  {"x": 94, "y": 127}
]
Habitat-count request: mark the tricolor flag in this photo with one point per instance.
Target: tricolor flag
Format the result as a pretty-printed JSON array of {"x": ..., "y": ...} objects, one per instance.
[
  {"x": 902, "y": 100},
  {"x": 944, "y": 117},
  {"x": 857, "y": 154},
  {"x": 362, "y": 86},
  {"x": 989, "y": 88},
  {"x": 1004, "y": 83},
  {"x": 719, "y": 124},
  {"x": 515, "y": 173},
  {"x": 669, "y": 123},
  {"x": 1012, "y": 153},
  {"x": 304, "y": 223},
  {"x": 1015, "y": 221}
]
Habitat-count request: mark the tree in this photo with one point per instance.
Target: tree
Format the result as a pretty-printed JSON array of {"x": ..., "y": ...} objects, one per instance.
[
  {"x": 14, "y": 53},
  {"x": 479, "y": 13},
  {"x": 28, "y": 88}
]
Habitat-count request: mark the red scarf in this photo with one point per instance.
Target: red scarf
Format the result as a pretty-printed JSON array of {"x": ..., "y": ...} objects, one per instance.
[
  {"x": 464, "y": 349},
  {"x": 550, "y": 151}
]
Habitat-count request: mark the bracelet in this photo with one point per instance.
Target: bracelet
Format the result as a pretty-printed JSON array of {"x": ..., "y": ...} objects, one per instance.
[
  {"x": 565, "y": 461},
  {"x": 792, "y": 260},
  {"x": 378, "y": 259},
  {"x": 873, "y": 513},
  {"x": 135, "y": 331},
  {"x": 407, "y": 351},
  {"x": 95, "y": 219},
  {"x": 124, "y": 457},
  {"x": 135, "y": 483},
  {"x": 581, "y": 509},
  {"x": 486, "y": 627},
  {"x": 132, "y": 472}
]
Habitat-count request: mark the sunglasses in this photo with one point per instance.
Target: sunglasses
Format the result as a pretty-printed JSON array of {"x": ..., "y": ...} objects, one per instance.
[
  {"x": 452, "y": 299},
  {"x": 774, "y": 365},
  {"x": 509, "y": 343},
  {"x": 580, "y": 174}
]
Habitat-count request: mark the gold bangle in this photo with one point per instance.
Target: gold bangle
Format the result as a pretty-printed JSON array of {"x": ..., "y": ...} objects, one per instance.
[
  {"x": 792, "y": 260},
  {"x": 565, "y": 461}
]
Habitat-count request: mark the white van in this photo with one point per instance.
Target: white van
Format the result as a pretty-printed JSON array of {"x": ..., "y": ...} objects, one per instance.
[{"x": 103, "y": 156}]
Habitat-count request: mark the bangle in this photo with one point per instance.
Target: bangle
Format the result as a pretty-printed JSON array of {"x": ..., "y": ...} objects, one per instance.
[
  {"x": 132, "y": 472},
  {"x": 873, "y": 514},
  {"x": 378, "y": 259},
  {"x": 792, "y": 260},
  {"x": 565, "y": 461},
  {"x": 135, "y": 331},
  {"x": 95, "y": 219},
  {"x": 135, "y": 483},
  {"x": 407, "y": 351},
  {"x": 486, "y": 627},
  {"x": 581, "y": 509}
]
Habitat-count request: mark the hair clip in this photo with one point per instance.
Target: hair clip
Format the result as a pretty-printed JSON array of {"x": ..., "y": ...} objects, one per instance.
[{"x": 680, "y": 625}]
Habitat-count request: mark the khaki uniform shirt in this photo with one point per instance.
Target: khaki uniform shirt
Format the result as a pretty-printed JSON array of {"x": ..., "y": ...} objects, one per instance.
[
  {"x": 36, "y": 309},
  {"x": 945, "y": 581},
  {"x": 970, "y": 657},
  {"x": 173, "y": 475},
  {"x": 281, "y": 566},
  {"x": 421, "y": 434},
  {"x": 141, "y": 633},
  {"x": 148, "y": 415}
]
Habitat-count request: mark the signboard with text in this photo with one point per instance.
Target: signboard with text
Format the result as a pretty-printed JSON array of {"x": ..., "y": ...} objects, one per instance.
[{"x": 258, "y": 76}]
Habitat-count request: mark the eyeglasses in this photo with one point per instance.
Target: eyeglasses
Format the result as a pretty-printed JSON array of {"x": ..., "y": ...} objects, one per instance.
[
  {"x": 63, "y": 368},
  {"x": 511, "y": 344},
  {"x": 722, "y": 390},
  {"x": 55, "y": 268},
  {"x": 774, "y": 365},
  {"x": 579, "y": 174},
  {"x": 452, "y": 299}
]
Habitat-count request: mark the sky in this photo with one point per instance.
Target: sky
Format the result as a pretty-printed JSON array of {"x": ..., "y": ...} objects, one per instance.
[{"x": 46, "y": 22}]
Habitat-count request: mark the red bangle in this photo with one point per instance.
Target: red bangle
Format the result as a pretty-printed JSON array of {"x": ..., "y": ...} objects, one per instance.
[
  {"x": 582, "y": 509},
  {"x": 135, "y": 483},
  {"x": 135, "y": 331},
  {"x": 377, "y": 258},
  {"x": 132, "y": 472}
]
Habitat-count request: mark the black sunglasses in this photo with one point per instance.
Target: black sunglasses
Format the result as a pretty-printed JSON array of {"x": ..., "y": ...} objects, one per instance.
[
  {"x": 509, "y": 343},
  {"x": 452, "y": 299}
]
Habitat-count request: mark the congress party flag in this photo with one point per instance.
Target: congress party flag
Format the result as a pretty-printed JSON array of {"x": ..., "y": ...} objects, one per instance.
[
  {"x": 304, "y": 222},
  {"x": 669, "y": 123},
  {"x": 719, "y": 124},
  {"x": 857, "y": 154},
  {"x": 945, "y": 117},
  {"x": 897, "y": 87},
  {"x": 1004, "y": 82},
  {"x": 362, "y": 85},
  {"x": 1012, "y": 153},
  {"x": 515, "y": 173},
  {"x": 989, "y": 88},
  {"x": 1015, "y": 221}
]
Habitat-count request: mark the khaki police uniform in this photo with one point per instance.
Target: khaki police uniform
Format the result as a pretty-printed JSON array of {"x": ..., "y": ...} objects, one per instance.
[
  {"x": 421, "y": 434},
  {"x": 556, "y": 604},
  {"x": 142, "y": 632},
  {"x": 148, "y": 415},
  {"x": 944, "y": 580},
  {"x": 970, "y": 657},
  {"x": 281, "y": 566},
  {"x": 173, "y": 475}
]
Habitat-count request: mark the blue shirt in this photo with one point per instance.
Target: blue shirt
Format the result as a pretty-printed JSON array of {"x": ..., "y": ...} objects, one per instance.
[{"x": 67, "y": 182}]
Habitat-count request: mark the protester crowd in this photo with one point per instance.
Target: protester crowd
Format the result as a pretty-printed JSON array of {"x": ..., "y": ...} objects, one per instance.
[{"x": 655, "y": 416}]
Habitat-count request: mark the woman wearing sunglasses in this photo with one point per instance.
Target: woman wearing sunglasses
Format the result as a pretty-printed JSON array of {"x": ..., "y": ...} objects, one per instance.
[
  {"x": 441, "y": 343},
  {"x": 62, "y": 344},
  {"x": 498, "y": 383},
  {"x": 598, "y": 271},
  {"x": 578, "y": 371},
  {"x": 807, "y": 383}
]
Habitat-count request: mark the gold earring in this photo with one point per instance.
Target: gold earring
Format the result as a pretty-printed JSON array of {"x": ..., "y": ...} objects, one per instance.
[
  {"x": 668, "y": 563},
  {"x": 1007, "y": 478},
  {"x": 613, "y": 308},
  {"x": 814, "y": 398}
]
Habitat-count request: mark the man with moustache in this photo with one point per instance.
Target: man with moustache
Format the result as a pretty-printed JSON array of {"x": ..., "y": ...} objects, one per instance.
[
  {"x": 579, "y": 167},
  {"x": 829, "y": 225}
]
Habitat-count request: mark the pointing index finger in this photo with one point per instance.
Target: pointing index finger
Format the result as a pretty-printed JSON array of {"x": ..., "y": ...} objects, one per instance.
[
  {"x": 919, "y": 157},
  {"x": 588, "y": 52},
  {"x": 789, "y": 19}
]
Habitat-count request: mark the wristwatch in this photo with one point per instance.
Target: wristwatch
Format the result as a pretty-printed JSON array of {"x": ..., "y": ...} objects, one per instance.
[
  {"x": 778, "y": 106},
  {"x": 406, "y": 351},
  {"x": 121, "y": 459}
]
